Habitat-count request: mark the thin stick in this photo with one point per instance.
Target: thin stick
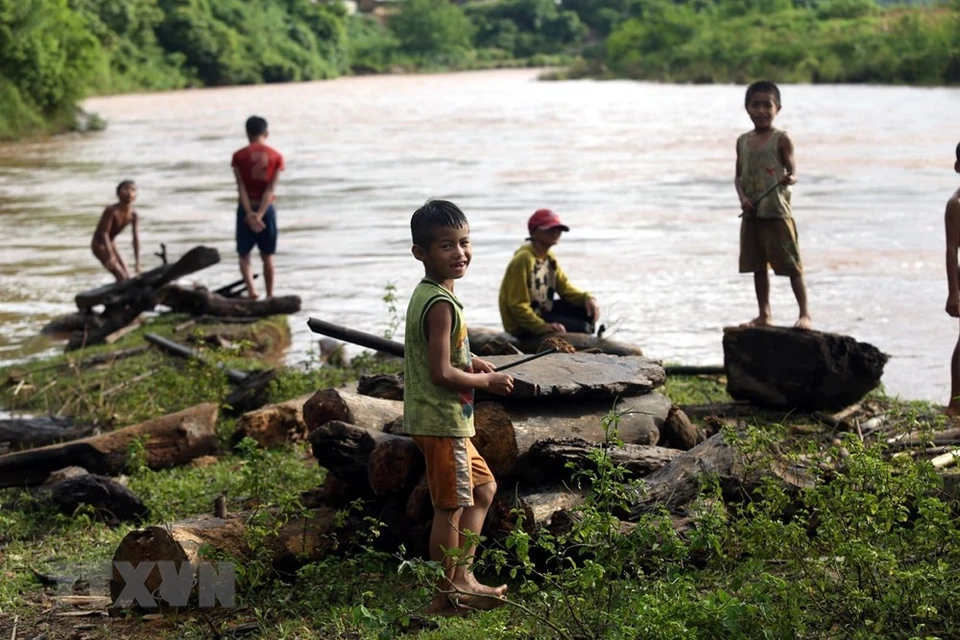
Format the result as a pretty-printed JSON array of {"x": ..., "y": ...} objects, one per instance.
[
  {"x": 763, "y": 195},
  {"x": 535, "y": 356}
]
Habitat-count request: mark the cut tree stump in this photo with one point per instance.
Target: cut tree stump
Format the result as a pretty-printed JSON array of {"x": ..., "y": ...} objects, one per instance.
[
  {"x": 553, "y": 455},
  {"x": 26, "y": 433},
  {"x": 582, "y": 375},
  {"x": 109, "y": 499},
  {"x": 537, "y": 504},
  {"x": 274, "y": 424},
  {"x": 352, "y": 408},
  {"x": 170, "y": 441},
  {"x": 395, "y": 466},
  {"x": 506, "y": 432},
  {"x": 804, "y": 370},
  {"x": 201, "y": 302},
  {"x": 344, "y": 450}
]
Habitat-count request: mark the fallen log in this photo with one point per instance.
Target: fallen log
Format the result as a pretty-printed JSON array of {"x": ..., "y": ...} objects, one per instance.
[
  {"x": 395, "y": 465},
  {"x": 582, "y": 375},
  {"x": 273, "y": 424},
  {"x": 678, "y": 483},
  {"x": 506, "y": 432},
  {"x": 168, "y": 441},
  {"x": 536, "y": 504},
  {"x": 295, "y": 543},
  {"x": 352, "y": 408},
  {"x": 581, "y": 342},
  {"x": 555, "y": 454},
  {"x": 419, "y": 506},
  {"x": 804, "y": 370},
  {"x": 344, "y": 450},
  {"x": 388, "y": 386},
  {"x": 109, "y": 500},
  {"x": 123, "y": 293},
  {"x": 26, "y": 433},
  {"x": 201, "y": 302}
]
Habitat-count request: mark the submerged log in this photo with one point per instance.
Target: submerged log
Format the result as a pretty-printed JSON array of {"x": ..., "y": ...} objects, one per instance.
[
  {"x": 505, "y": 433},
  {"x": 352, "y": 408},
  {"x": 537, "y": 505},
  {"x": 804, "y": 370},
  {"x": 109, "y": 500},
  {"x": 554, "y": 454},
  {"x": 168, "y": 441},
  {"x": 26, "y": 433},
  {"x": 582, "y": 375},
  {"x": 201, "y": 302},
  {"x": 395, "y": 466},
  {"x": 274, "y": 424}
]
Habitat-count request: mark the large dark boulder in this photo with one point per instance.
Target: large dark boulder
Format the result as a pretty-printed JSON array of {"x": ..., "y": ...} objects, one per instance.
[{"x": 786, "y": 368}]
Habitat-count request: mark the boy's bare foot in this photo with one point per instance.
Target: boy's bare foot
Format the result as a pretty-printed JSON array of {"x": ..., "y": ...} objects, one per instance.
[
  {"x": 253, "y": 295},
  {"x": 952, "y": 411},
  {"x": 480, "y": 602},
  {"x": 803, "y": 323},
  {"x": 473, "y": 586},
  {"x": 759, "y": 321},
  {"x": 445, "y": 605}
]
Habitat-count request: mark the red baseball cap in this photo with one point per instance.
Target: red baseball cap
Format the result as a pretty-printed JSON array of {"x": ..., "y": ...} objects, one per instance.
[{"x": 545, "y": 219}]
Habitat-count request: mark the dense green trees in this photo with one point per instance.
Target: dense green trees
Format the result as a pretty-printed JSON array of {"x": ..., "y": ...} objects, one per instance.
[{"x": 54, "y": 52}]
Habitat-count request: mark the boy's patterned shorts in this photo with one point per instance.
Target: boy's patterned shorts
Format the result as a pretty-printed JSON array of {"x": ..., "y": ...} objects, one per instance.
[
  {"x": 769, "y": 241},
  {"x": 454, "y": 468}
]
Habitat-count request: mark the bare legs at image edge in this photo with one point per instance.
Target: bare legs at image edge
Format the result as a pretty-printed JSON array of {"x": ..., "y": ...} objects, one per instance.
[
  {"x": 953, "y": 408},
  {"x": 459, "y": 590},
  {"x": 246, "y": 270},
  {"x": 761, "y": 282}
]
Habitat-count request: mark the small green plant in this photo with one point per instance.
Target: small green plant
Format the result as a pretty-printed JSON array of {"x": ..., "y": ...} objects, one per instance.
[{"x": 393, "y": 314}]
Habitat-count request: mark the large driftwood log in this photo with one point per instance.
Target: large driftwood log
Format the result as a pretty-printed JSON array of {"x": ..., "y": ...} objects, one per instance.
[
  {"x": 201, "y": 302},
  {"x": 352, "y": 408},
  {"x": 677, "y": 484},
  {"x": 804, "y": 370},
  {"x": 554, "y": 454},
  {"x": 536, "y": 504},
  {"x": 298, "y": 541},
  {"x": 274, "y": 424},
  {"x": 395, "y": 466},
  {"x": 387, "y": 386},
  {"x": 169, "y": 441},
  {"x": 123, "y": 293},
  {"x": 505, "y": 433},
  {"x": 26, "y": 433},
  {"x": 344, "y": 450},
  {"x": 582, "y": 375},
  {"x": 480, "y": 336}
]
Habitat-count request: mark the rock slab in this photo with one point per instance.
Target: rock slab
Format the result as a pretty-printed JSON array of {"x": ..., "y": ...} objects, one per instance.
[
  {"x": 582, "y": 375},
  {"x": 785, "y": 368}
]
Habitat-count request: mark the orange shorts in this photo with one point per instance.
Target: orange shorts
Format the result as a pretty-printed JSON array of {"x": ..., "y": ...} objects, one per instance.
[{"x": 454, "y": 468}]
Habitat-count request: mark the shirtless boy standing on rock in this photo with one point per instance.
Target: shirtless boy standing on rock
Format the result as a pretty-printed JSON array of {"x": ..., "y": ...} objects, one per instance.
[
  {"x": 952, "y": 219},
  {"x": 115, "y": 218}
]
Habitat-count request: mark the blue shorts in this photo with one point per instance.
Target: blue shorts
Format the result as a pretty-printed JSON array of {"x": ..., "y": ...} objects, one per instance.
[{"x": 266, "y": 240}]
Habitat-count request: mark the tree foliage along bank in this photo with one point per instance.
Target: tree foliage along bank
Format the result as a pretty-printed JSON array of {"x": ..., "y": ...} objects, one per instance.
[{"x": 55, "y": 52}]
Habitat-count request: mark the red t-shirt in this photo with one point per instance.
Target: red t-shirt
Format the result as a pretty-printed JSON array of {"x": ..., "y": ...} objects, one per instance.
[{"x": 258, "y": 165}]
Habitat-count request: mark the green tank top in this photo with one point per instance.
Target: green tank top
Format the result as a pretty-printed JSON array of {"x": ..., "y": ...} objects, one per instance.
[
  {"x": 430, "y": 410},
  {"x": 760, "y": 169}
]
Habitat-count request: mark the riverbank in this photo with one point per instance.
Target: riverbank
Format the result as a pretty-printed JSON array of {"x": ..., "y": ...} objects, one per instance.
[
  {"x": 161, "y": 46},
  {"x": 782, "y": 564}
]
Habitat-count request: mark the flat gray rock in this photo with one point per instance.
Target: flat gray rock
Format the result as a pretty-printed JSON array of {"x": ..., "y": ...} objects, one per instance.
[{"x": 582, "y": 375}]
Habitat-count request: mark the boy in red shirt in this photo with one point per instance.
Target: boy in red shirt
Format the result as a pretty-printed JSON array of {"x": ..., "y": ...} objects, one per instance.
[{"x": 257, "y": 168}]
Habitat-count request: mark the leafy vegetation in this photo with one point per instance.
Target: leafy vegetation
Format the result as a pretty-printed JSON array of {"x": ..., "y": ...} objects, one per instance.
[{"x": 55, "y": 52}]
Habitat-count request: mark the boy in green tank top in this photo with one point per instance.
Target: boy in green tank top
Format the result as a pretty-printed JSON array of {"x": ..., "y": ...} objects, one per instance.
[
  {"x": 768, "y": 235},
  {"x": 952, "y": 220},
  {"x": 440, "y": 377}
]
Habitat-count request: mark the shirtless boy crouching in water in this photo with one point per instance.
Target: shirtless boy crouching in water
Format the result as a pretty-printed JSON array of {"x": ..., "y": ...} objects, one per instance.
[
  {"x": 114, "y": 219},
  {"x": 952, "y": 219}
]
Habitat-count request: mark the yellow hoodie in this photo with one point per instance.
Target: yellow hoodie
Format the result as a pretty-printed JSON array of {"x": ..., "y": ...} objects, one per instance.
[{"x": 528, "y": 289}]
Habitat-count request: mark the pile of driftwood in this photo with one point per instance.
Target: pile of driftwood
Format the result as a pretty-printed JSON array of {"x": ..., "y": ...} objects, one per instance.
[{"x": 108, "y": 312}]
